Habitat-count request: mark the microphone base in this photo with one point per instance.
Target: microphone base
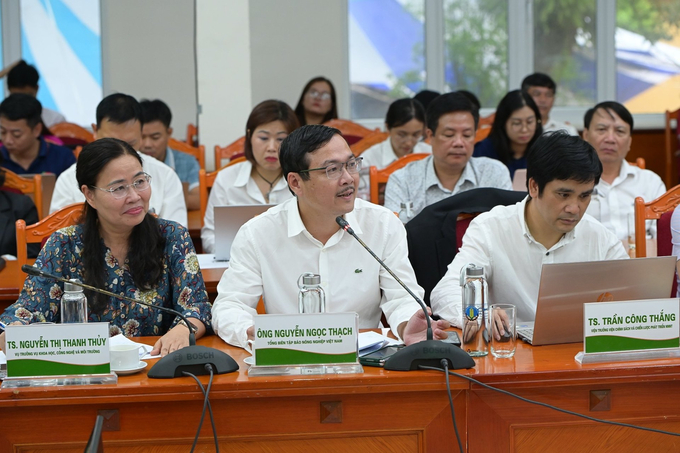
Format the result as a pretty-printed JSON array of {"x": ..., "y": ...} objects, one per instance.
[
  {"x": 429, "y": 353},
  {"x": 193, "y": 360}
]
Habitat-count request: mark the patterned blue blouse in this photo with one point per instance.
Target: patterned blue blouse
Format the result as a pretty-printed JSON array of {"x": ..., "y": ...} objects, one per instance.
[{"x": 181, "y": 286}]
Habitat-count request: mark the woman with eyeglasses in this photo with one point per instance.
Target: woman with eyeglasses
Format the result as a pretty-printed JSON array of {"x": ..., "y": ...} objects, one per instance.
[
  {"x": 515, "y": 128},
  {"x": 257, "y": 180},
  {"x": 317, "y": 102},
  {"x": 405, "y": 123},
  {"x": 120, "y": 247}
]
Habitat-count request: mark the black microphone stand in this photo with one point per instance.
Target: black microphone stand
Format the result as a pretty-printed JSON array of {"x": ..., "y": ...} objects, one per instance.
[
  {"x": 429, "y": 352},
  {"x": 191, "y": 358}
]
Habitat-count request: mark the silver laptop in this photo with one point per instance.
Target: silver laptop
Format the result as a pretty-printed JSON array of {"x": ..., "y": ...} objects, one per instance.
[
  {"x": 228, "y": 220},
  {"x": 565, "y": 287}
]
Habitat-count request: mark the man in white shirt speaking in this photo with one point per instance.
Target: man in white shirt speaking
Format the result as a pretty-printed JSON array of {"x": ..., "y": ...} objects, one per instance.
[
  {"x": 550, "y": 225},
  {"x": 300, "y": 235}
]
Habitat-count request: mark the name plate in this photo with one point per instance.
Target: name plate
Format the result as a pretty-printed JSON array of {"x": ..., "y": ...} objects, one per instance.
[
  {"x": 306, "y": 339},
  {"x": 57, "y": 349},
  {"x": 634, "y": 325}
]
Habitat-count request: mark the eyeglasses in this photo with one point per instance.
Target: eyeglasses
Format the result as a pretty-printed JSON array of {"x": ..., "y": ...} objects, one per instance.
[
  {"x": 518, "y": 125},
  {"x": 333, "y": 171},
  {"x": 141, "y": 184},
  {"x": 316, "y": 95}
]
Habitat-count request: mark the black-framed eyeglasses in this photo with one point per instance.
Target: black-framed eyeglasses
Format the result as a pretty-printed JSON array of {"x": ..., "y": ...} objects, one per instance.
[
  {"x": 334, "y": 170},
  {"x": 140, "y": 184}
]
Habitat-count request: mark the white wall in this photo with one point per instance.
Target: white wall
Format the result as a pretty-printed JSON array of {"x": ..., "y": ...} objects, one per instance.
[{"x": 148, "y": 52}]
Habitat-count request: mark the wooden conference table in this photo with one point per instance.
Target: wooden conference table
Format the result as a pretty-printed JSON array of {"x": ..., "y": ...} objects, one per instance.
[{"x": 377, "y": 411}]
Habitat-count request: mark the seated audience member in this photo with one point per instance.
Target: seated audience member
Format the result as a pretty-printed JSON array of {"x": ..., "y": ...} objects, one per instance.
[
  {"x": 324, "y": 174},
  {"x": 120, "y": 247},
  {"x": 317, "y": 102},
  {"x": 259, "y": 179},
  {"x": 425, "y": 97},
  {"x": 156, "y": 132},
  {"x": 13, "y": 207},
  {"x": 24, "y": 150},
  {"x": 451, "y": 124},
  {"x": 550, "y": 225},
  {"x": 608, "y": 127},
  {"x": 516, "y": 126},
  {"x": 542, "y": 89},
  {"x": 675, "y": 233},
  {"x": 23, "y": 78},
  {"x": 120, "y": 116},
  {"x": 405, "y": 122}
]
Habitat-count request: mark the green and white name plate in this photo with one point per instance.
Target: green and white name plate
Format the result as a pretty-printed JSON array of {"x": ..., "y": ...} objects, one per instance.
[
  {"x": 306, "y": 339},
  {"x": 636, "y": 325},
  {"x": 57, "y": 349}
]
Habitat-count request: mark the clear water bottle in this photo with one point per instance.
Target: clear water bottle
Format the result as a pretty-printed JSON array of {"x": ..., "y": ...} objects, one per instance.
[
  {"x": 311, "y": 298},
  {"x": 475, "y": 320},
  {"x": 73, "y": 304},
  {"x": 406, "y": 211}
]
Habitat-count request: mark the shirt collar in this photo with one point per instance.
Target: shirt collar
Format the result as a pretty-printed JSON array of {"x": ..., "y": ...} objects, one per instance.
[
  {"x": 42, "y": 152},
  {"x": 565, "y": 239},
  {"x": 387, "y": 154},
  {"x": 431, "y": 178},
  {"x": 243, "y": 175},
  {"x": 297, "y": 226}
]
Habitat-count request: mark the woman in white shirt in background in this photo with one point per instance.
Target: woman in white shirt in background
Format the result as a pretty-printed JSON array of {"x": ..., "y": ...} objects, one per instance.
[
  {"x": 405, "y": 123},
  {"x": 257, "y": 180}
]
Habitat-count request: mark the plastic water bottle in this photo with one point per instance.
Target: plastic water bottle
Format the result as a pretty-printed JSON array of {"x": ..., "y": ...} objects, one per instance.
[
  {"x": 311, "y": 298},
  {"x": 475, "y": 320},
  {"x": 406, "y": 211},
  {"x": 73, "y": 304}
]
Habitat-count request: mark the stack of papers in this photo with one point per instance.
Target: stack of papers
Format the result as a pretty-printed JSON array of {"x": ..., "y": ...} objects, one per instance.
[{"x": 372, "y": 341}]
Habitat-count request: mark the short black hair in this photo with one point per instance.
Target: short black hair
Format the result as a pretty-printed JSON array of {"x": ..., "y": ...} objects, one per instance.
[
  {"x": 20, "y": 106},
  {"x": 609, "y": 107},
  {"x": 155, "y": 110},
  {"x": 404, "y": 110},
  {"x": 22, "y": 75},
  {"x": 560, "y": 156},
  {"x": 119, "y": 108},
  {"x": 300, "y": 142},
  {"x": 425, "y": 97},
  {"x": 448, "y": 103},
  {"x": 471, "y": 96},
  {"x": 538, "y": 79}
]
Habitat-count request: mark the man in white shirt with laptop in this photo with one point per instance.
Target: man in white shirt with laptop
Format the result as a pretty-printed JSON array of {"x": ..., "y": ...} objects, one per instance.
[{"x": 550, "y": 225}]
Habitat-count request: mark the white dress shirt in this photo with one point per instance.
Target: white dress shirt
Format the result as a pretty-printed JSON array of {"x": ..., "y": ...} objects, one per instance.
[
  {"x": 501, "y": 243},
  {"x": 552, "y": 126},
  {"x": 167, "y": 195},
  {"x": 418, "y": 182},
  {"x": 234, "y": 186},
  {"x": 613, "y": 203},
  {"x": 271, "y": 251},
  {"x": 380, "y": 156},
  {"x": 675, "y": 238}
]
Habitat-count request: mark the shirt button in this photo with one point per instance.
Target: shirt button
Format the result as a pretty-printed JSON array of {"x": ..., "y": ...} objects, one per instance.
[{"x": 547, "y": 253}]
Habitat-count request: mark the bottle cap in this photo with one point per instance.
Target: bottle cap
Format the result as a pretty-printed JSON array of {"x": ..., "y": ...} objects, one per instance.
[
  {"x": 70, "y": 287},
  {"x": 311, "y": 279},
  {"x": 474, "y": 271}
]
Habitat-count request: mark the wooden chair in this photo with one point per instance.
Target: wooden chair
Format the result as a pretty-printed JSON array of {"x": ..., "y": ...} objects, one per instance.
[
  {"x": 671, "y": 147},
  {"x": 351, "y": 131},
  {"x": 31, "y": 187},
  {"x": 197, "y": 152},
  {"x": 192, "y": 135},
  {"x": 486, "y": 122},
  {"x": 654, "y": 210},
  {"x": 481, "y": 134},
  {"x": 232, "y": 150},
  {"x": 78, "y": 135},
  {"x": 206, "y": 181},
  {"x": 39, "y": 232},
  {"x": 371, "y": 139},
  {"x": 639, "y": 162},
  {"x": 380, "y": 177}
]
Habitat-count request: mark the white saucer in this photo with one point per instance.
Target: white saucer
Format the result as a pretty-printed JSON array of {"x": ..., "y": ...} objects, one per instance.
[
  {"x": 124, "y": 372},
  {"x": 249, "y": 360}
]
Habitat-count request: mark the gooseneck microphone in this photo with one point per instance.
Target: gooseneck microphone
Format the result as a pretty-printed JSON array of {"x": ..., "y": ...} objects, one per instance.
[
  {"x": 191, "y": 358},
  {"x": 429, "y": 352}
]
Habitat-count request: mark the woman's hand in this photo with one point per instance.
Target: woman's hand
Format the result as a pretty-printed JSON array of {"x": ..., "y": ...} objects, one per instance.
[{"x": 177, "y": 338}]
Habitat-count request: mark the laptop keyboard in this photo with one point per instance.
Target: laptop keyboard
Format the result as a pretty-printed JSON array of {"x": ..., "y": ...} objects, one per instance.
[{"x": 526, "y": 334}]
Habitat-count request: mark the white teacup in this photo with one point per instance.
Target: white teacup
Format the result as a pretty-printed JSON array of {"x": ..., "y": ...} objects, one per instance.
[{"x": 124, "y": 357}]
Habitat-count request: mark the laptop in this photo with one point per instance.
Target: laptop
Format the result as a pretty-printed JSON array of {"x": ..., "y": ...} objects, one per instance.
[
  {"x": 228, "y": 220},
  {"x": 565, "y": 287}
]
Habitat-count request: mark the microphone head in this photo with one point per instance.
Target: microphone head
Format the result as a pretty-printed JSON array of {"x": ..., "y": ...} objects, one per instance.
[{"x": 342, "y": 222}]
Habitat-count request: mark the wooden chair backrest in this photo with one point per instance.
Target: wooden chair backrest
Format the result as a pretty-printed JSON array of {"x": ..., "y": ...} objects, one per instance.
[
  {"x": 28, "y": 186},
  {"x": 192, "y": 135},
  {"x": 481, "y": 134},
  {"x": 652, "y": 210},
  {"x": 229, "y": 151},
  {"x": 371, "y": 139},
  {"x": 486, "y": 122},
  {"x": 206, "y": 181},
  {"x": 347, "y": 127},
  {"x": 639, "y": 162},
  {"x": 71, "y": 130},
  {"x": 37, "y": 233},
  {"x": 671, "y": 145},
  {"x": 380, "y": 177},
  {"x": 197, "y": 152}
]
